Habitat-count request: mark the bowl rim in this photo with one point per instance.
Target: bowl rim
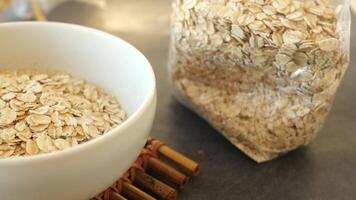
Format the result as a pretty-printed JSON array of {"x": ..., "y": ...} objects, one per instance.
[{"x": 151, "y": 95}]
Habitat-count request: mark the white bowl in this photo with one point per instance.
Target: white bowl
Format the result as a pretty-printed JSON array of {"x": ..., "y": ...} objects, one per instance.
[{"x": 83, "y": 171}]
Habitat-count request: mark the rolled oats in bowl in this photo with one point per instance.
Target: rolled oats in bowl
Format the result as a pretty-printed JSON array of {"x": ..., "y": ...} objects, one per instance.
[
  {"x": 41, "y": 113},
  {"x": 262, "y": 72}
]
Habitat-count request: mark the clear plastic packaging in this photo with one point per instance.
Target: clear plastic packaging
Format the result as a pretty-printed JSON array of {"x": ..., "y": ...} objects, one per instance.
[{"x": 263, "y": 73}]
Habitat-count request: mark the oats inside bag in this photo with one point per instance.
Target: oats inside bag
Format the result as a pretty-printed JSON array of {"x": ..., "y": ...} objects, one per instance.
[
  {"x": 41, "y": 113},
  {"x": 264, "y": 73}
]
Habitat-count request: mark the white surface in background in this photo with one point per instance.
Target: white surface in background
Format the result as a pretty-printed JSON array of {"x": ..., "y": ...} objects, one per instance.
[{"x": 353, "y": 6}]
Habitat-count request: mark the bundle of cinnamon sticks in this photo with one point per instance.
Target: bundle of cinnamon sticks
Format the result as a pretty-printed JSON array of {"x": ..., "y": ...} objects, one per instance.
[{"x": 151, "y": 178}]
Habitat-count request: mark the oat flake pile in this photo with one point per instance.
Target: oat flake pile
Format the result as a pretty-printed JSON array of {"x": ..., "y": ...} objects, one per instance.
[
  {"x": 41, "y": 113},
  {"x": 262, "y": 72}
]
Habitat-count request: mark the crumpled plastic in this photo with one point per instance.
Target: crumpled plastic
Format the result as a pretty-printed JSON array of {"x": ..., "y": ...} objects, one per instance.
[{"x": 238, "y": 86}]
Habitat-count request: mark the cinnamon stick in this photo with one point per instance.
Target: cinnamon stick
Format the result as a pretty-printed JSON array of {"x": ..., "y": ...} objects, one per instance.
[
  {"x": 116, "y": 196},
  {"x": 166, "y": 172},
  {"x": 133, "y": 193},
  {"x": 188, "y": 165},
  {"x": 154, "y": 186}
]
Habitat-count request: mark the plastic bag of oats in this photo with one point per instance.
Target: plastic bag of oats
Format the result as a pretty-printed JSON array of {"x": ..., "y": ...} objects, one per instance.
[{"x": 264, "y": 73}]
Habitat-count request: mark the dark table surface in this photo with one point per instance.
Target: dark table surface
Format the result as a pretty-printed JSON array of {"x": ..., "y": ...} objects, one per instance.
[{"x": 324, "y": 170}]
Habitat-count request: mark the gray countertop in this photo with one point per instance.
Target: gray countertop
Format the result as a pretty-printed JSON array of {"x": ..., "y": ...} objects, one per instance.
[{"x": 324, "y": 170}]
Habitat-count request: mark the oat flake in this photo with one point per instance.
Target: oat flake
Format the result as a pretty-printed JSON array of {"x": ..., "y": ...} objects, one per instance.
[
  {"x": 39, "y": 113},
  {"x": 266, "y": 73}
]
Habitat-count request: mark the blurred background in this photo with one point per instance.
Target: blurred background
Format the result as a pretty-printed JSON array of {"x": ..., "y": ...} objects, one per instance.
[{"x": 325, "y": 170}]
